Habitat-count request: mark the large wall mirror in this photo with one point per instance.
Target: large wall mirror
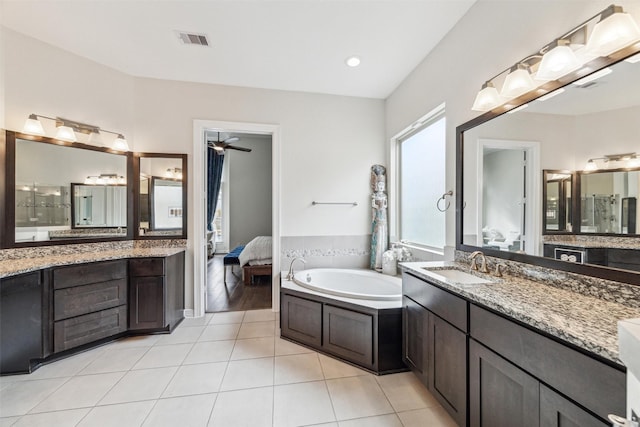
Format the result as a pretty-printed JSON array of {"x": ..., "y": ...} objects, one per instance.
[
  {"x": 62, "y": 192},
  {"x": 162, "y": 195},
  {"x": 522, "y": 188}
]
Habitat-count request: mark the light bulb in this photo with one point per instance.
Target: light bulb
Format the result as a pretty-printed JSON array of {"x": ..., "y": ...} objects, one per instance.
[
  {"x": 66, "y": 133},
  {"x": 558, "y": 62},
  {"x": 33, "y": 126},
  {"x": 613, "y": 33},
  {"x": 121, "y": 143},
  {"x": 590, "y": 166},
  {"x": 487, "y": 99},
  {"x": 518, "y": 82}
]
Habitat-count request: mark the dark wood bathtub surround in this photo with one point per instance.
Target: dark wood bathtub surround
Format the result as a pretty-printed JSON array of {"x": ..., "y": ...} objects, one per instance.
[{"x": 54, "y": 312}]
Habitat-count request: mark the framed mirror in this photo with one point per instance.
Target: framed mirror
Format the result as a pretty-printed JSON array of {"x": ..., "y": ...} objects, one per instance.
[
  {"x": 162, "y": 195},
  {"x": 556, "y": 201},
  {"x": 41, "y": 180},
  {"x": 592, "y": 121}
]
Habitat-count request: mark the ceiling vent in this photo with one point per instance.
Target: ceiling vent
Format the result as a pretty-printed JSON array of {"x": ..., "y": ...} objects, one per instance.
[{"x": 193, "y": 38}]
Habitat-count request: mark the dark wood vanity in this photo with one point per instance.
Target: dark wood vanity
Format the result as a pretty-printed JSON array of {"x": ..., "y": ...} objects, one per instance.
[{"x": 56, "y": 311}]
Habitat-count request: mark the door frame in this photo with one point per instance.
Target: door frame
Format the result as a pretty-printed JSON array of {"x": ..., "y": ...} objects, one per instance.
[
  {"x": 200, "y": 206},
  {"x": 533, "y": 185}
]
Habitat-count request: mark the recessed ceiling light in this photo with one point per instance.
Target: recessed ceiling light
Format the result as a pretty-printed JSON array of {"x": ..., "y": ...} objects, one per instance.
[{"x": 352, "y": 61}]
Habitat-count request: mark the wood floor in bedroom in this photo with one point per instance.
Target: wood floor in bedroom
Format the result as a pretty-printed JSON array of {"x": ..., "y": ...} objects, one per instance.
[{"x": 234, "y": 296}]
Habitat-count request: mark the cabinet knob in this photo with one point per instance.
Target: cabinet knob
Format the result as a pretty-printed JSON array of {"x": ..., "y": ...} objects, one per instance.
[{"x": 619, "y": 421}]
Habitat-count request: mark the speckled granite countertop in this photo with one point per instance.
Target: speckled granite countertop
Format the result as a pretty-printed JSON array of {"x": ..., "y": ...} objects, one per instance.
[
  {"x": 585, "y": 321},
  {"x": 13, "y": 267}
]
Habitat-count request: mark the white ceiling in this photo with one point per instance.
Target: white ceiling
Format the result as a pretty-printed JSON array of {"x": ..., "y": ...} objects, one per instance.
[{"x": 298, "y": 45}]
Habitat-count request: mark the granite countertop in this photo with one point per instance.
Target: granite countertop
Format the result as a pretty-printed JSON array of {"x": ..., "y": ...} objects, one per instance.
[
  {"x": 13, "y": 267},
  {"x": 594, "y": 244},
  {"x": 585, "y": 321}
]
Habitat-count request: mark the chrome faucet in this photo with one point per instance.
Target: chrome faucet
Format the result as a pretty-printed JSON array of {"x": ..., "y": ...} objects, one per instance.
[
  {"x": 474, "y": 265},
  {"x": 290, "y": 275}
]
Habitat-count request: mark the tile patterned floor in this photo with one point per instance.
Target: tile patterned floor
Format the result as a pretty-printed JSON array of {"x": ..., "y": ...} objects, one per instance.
[{"x": 225, "y": 369}]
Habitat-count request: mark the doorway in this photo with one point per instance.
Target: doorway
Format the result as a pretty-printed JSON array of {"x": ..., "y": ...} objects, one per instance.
[{"x": 197, "y": 227}]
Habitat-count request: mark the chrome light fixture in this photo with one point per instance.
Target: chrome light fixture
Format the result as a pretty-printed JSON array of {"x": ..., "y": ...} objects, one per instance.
[
  {"x": 67, "y": 129},
  {"x": 630, "y": 160},
  {"x": 568, "y": 56}
]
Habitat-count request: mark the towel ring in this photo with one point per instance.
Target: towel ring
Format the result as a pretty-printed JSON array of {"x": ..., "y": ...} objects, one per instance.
[{"x": 444, "y": 197}]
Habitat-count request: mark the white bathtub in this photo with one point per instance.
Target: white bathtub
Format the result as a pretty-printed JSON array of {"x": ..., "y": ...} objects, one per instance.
[{"x": 351, "y": 283}]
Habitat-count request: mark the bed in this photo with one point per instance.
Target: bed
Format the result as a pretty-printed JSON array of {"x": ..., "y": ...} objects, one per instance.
[{"x": 256, "y": 258}]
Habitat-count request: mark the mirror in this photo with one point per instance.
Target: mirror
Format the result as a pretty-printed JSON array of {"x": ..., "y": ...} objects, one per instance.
[
  {"x": 162, "y": 195},
  {"x": 556, "y": 201},
  {"x": 49, "y": 178},
  {"x": 597, "y": 120},
  {"x": 608, "y": 202}
]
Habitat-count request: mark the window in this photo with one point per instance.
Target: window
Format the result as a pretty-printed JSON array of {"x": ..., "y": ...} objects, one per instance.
[{"x": 421, "y": 176}]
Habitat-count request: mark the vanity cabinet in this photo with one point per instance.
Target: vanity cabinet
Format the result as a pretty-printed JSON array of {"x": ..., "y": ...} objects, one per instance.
[
  {"x": 156, "y": 292},
  {"x": 89, "y": 303},
  {"x": 435, "y": 342},
  {"x": 22, "y": 329},
  {"x": 557, "y": 411}
]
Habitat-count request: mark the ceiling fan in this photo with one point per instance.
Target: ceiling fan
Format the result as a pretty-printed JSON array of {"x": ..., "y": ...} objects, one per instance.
[{"x": 221, "y": 145}]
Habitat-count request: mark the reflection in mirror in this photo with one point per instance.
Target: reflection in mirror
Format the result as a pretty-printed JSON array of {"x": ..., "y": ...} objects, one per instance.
[
  {"x": 608, "y": 202},
  {"x": 43, "y": 195},
  {"x": 582, "y": 122},
  {"x": 98, "y": 206},
  {"x": 556, "y": 201},
  {"x": 161, "y": 196}
]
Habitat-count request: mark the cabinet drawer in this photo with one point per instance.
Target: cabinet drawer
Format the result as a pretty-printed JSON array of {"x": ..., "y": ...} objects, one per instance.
[
  {"x": 90, "y": 327},
  {"x": 585, "y": 380},
  {"x": 78, "y": 300},
  {"x": 146, "y": 267},
  {"x": 449, "y": 307},
  {"x": 348, "y": 334},
  {"x": 75, "y": 275},
  {"x": 301, "y": 320}
]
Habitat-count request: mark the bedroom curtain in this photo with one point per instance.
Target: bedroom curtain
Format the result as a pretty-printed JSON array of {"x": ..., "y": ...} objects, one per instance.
[{"x": 215, "y": 161}]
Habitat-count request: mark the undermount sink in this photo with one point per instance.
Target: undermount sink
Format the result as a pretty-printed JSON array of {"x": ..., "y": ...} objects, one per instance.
[{"x": 456, "y": 276}]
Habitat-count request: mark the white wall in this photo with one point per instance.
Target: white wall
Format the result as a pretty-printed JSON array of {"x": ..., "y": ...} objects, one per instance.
[
  {"x": 249, "y": 189},
  {"x": 492, "y": 36},
  {"x": 328, "y": 143}
]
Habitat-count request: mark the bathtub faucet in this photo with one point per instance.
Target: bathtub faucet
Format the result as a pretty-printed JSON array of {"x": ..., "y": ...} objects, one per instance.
[{"x": 290, "y": 275}]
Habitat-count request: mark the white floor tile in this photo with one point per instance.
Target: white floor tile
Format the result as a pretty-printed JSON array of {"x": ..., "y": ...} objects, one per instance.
[
  {"x": 68, "y": 418},
  {"x": 115, "y": 360},
  {"x": 68, "y": 366},
  {"x": 125, "y": 414},
  {"x": 284, "y": 347},
  {"x": 19, "y": 397},
  {"x": 163, "y": 356},
  {"x": 192, "y": 411},
  {"x": 333, "y": 368},
  {"x": 79, "y": 392},
  {"x": 297, "y": 368},
  {"x": 389, "y": 420},
  {"x": 210, "y": 351},
  {"x": 253, "y": 348},
  {"x": 259, "y": 315},
  {"x": 301, "y": 404},
  {"x": 220, "y": 332},
  {"x": 135, "y": 341},
  {"x": 182, "y": 336},
  {"x": 144, "y": 384},
  {"x": 249, "y": 373},
  {"x": 227, "y": 317},
  {"x": 405, "y": 392},
  {"x": 432, "y": 417},
  {"x": 196, "y": 321},
  {"x": 357, "y": 397},
  {"x": 231, "y": 408},
  {"x": 257, "y": 329},
  {"x": 196, "y": 379},
  {"x": 8, "y": 421}
]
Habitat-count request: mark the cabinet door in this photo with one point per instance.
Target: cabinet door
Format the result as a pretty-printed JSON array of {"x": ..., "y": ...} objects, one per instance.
[
  {"x": 20, "y": 322},
  {"x": 90, "y": 327},
  {"x": 500, "y": 394},
  {"x": 301, "y": 320},
  {"x": 348, "y": 334},
  {"x": 415, "y": 330},
  {"x": 448, "y": 367},
  {"x": 146, "y": 303},
  {"x": 556, "y": 411}
]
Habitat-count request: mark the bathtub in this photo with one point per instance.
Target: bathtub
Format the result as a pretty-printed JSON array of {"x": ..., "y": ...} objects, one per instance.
[
  {"x": 353, "y": 315},
  {"x": 351, "y": 283}
]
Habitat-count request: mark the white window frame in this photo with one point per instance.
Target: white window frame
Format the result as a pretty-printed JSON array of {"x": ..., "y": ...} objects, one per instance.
[{"x": 394, "y": 178}]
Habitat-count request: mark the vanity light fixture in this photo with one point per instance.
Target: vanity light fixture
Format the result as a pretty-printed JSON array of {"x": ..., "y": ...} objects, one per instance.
[
  {"x": 615, "y": 30},
  {"x": 551, "y": 95},
  {"x": 67, "y": 129},
  {"x": 593, "y": 76},
  {"x": 590, "y": 166},
  {"x": 631, "y": 160},
  {"x": 601, "y": 35},
  {"x": 105, "y": 179},
  {"x": 174, "y": 173}
]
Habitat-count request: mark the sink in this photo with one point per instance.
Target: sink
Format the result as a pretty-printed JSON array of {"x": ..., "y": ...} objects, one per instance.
[{"x": 456, "y": 276}]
